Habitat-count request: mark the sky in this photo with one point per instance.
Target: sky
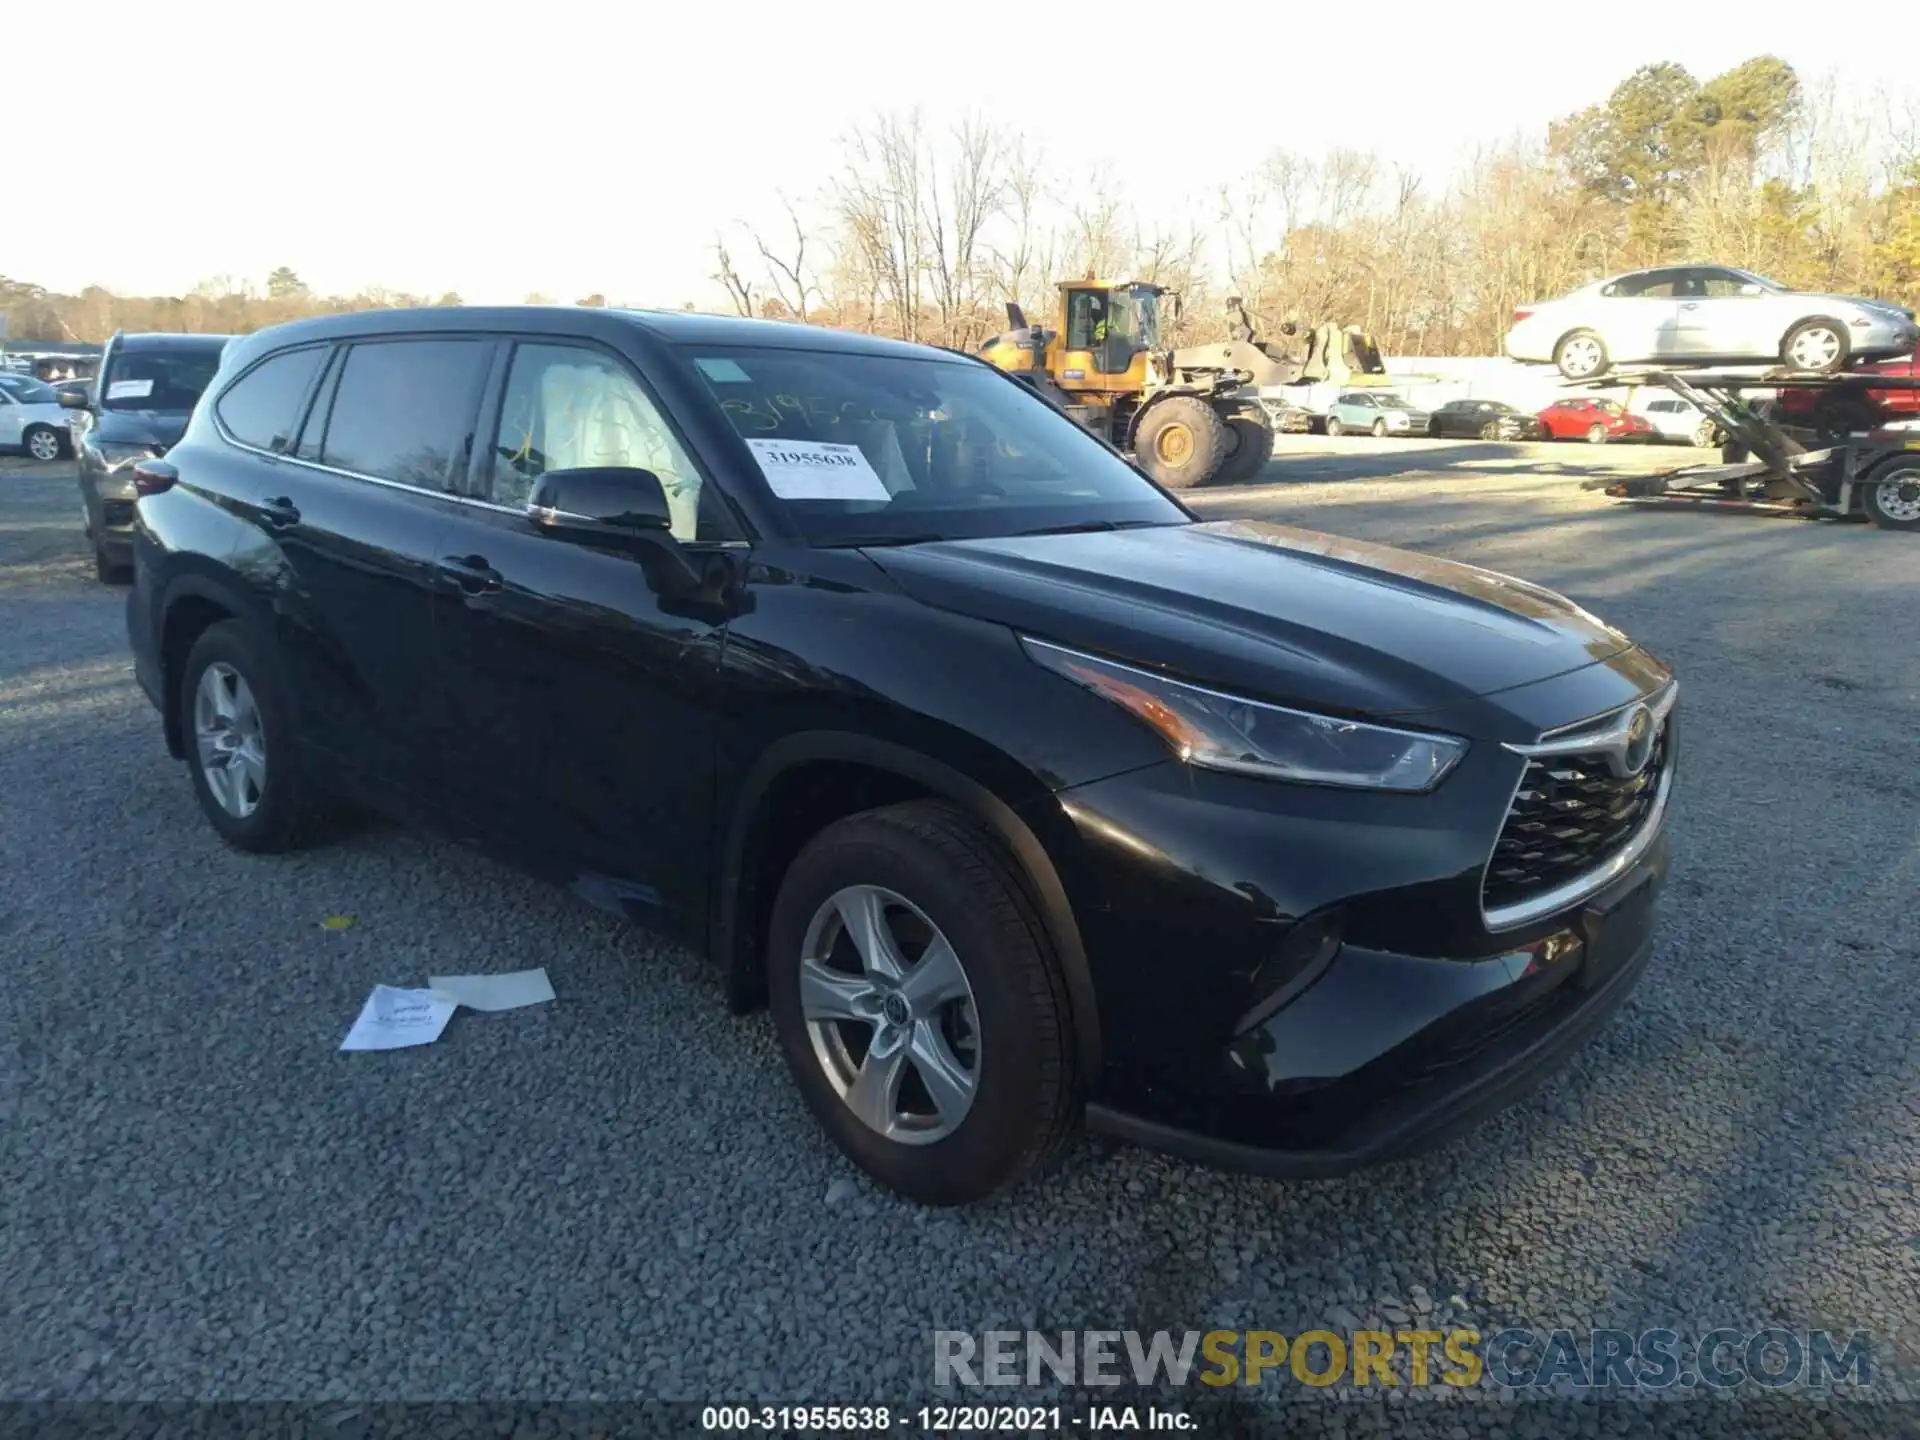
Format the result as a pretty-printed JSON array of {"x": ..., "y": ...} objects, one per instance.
[{"x": 580, "y": 146}]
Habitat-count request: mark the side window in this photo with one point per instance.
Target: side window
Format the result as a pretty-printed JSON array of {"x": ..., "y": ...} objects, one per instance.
[
  {"x": 1718, "y": 283},
  {"x": 262, "y": 407},
  {"x": 403, "y": 410},
  {"x": 566, "y": 407}
]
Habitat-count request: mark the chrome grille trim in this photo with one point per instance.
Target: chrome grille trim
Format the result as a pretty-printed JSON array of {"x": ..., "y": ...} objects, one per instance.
[{"x": 1602, "y": 735}]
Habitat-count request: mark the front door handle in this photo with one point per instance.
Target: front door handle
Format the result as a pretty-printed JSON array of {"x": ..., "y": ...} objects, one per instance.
[
  {"x": 471, "y": 573},
  {"x": 280, "y": 512}
]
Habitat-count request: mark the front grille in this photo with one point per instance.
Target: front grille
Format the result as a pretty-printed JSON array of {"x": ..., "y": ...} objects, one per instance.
[
  {"x": 1569, "y": 815},
  {"x": 116, "y": 512}
]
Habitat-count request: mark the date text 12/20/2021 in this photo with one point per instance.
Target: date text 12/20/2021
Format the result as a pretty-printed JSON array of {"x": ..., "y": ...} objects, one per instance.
[{"x": 938, "y": 1419}]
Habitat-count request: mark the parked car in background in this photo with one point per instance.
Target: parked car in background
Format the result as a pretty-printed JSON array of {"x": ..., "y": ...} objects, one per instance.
[
  {"x": 1022, "y": 794},
  {"x": 1376, "y": 411},
  {"x": 1288, "y": 417},
  {"x": 1596, "y": 421},
  {"x": 1702, "y": 315},
  {"x": 137, "y": 407},
  {"x": 1843, "y": 411},
  {"x": 31, "y": 418},
  {"x": 1484, "y": 420},
  {"x": 1675, "y": 419}
]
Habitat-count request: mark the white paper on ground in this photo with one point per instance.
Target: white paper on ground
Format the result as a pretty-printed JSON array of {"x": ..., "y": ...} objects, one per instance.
[
  {"x": 817, "y": 470},
  {"x": 393, "y": 1018},
  {"x": 130, "y": 389},
  {"x": 495, "y": 992}
]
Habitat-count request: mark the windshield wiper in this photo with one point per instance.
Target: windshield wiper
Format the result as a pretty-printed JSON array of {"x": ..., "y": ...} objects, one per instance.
[
  {"x": 861, "y": 542},
  {"x": 1082, "y": 527}
]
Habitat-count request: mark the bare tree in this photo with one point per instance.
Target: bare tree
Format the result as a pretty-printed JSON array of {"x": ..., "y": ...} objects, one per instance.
[
  {"x": 789, "y": 277},
  {"x": 739, "y": 291}
]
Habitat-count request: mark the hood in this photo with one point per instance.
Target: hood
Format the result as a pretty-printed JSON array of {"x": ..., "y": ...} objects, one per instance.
[
  {"x": 159, "y": 428},
  {"x": 1267, "y": 611}
]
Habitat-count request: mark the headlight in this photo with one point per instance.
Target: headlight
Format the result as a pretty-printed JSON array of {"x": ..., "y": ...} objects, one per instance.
[
  {"x": 1225, "y": 732},
  {"x": 116, "y": 455}
]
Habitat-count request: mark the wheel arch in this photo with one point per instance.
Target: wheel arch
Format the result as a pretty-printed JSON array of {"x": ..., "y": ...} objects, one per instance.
[
  {"x": 755, "y": 849},
  {"x": 1839, "y": 326},
  {"x": 193, "y": 603}
]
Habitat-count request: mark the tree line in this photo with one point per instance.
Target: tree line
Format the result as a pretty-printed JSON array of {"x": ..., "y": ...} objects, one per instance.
[{"x": 926, "y": 232}]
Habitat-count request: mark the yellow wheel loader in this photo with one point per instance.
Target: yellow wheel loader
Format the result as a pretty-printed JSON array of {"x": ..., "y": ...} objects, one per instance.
[{"x": 1189, "y": 416}]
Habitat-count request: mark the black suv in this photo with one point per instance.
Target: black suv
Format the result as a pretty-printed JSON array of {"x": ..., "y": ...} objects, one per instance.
[
  {"x": 138, "y": 406},
  {"x": 1023, "y": 795}
]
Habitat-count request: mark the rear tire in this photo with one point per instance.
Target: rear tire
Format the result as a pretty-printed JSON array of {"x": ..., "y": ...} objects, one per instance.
[
  {"x": 1181, "y": 442},
  {"x": 1581, "y": 355},
  {"x": 1819, "y": 347},
  {"x": 1250, "y": 435},
  {"x": 272, "y": 803},
  {"x": 1894, "y": 503},
  {"x": 929, "y": 872},
  {"x": 1705, "y": 435}
]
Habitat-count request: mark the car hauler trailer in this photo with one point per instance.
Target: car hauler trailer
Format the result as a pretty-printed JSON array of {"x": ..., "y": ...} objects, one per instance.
[{"x": 1771, "y": 468}]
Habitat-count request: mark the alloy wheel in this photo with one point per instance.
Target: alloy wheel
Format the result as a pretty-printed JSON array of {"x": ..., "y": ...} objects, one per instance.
[
  {"x": 230, "y": 740},
  {"x": 43, "y": 445},
  {"x": 1815, "y": 348},
  {"x": 890, "y": 1014}
]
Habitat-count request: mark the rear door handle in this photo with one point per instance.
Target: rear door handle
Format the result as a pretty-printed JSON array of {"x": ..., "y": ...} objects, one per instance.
[
  {"x": 280, "y": 512},
  {"x": 471, "y": 573}
]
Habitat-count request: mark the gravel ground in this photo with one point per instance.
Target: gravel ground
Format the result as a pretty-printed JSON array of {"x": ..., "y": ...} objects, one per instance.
[{"x": 619, "y": 1195}]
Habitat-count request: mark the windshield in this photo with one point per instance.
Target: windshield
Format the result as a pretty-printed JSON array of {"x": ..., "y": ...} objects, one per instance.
[
  {"x": 1147, "y": 305},
  {"x": 159, "y": 379},
  {"x": 871, "y": 449},
  {"x": 27, "y": 390}
]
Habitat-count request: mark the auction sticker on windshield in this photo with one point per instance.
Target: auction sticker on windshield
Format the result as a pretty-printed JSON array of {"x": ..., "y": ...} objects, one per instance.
[
  {"x": 817, "y": 470},
  {"x": 130, "y": 389}
]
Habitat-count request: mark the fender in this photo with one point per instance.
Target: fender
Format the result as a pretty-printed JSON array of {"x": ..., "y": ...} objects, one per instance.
[{"x": 1047, "y": 892}]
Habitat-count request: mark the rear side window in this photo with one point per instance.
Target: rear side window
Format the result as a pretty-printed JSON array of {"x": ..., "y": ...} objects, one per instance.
[
  {"x": 262, "y": 407},
  {"x": 404, "y": 410}
]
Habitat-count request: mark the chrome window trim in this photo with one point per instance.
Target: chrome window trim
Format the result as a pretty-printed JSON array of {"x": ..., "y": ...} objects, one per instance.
[
  {"x": 407, "y": 489},
  {"x": 1607, "y": 730}
]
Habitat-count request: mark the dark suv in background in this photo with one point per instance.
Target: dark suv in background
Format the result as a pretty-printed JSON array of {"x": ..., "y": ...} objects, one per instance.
[
  {"x": 138, "y": 406},
  {"x": 1024, "y": 796}
]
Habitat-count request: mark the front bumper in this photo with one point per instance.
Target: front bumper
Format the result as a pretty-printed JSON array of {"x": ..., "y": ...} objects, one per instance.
[{"x": 1421, "y": 1049}]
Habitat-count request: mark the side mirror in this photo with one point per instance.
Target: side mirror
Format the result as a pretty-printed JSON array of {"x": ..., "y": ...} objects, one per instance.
[
  {"x": 599, "y": 500},
  {"x": 1751, "y": 289},
  {"x": 71, "y": 397},
  {"x": 621, "y": 506}
]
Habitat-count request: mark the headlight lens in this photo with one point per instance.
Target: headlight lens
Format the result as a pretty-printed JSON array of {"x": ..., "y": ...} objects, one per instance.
[
  {"x": 1225, "y": 732},
  {"x": 117, "y": 456}
]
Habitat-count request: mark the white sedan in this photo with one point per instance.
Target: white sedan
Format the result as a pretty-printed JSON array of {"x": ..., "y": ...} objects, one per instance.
[
  {"x": 1703, "y": 315},
  {"x": 31, "y": 418}
]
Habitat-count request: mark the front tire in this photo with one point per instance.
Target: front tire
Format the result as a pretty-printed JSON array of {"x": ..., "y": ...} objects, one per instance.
[
  {"x": 43, "y": 442},
  {"x": 1581, "y": 355},
  {"x": 107, "y": 570},
  {"x": 243, "y": 748},
  {"x": 1181, "y": 442},
  {"x": 1250, "y": 435},
  {"x": 1334, "y": 427},
  {"x": 1705, "y": 435},
  {"x": 920, "y": 1005},
  {"x": 1596, "y": 434},
  {"x": 1379, "y": 429},
  {"x": 1894, "y": 503},
  {"x": 1817, "y": 346}
]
